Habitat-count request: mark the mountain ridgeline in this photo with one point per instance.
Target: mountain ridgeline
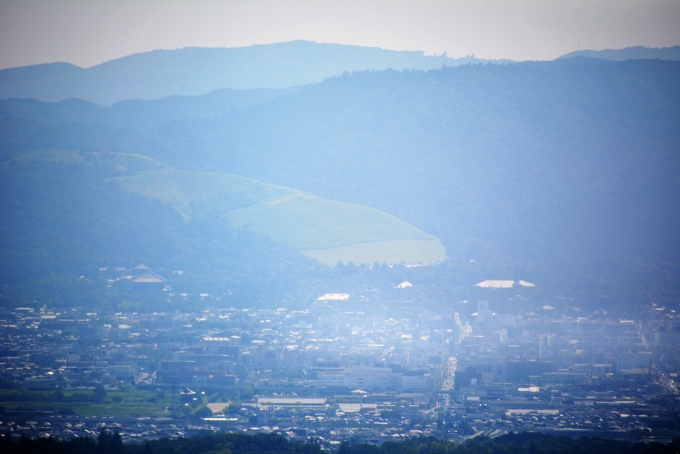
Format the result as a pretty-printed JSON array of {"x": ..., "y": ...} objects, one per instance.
[
  {"x": 630, "y": 53},
  {"x": 138, "y": 115},
  {"x": 563, "y": 173},
  {"x": 195, "y": 71}
]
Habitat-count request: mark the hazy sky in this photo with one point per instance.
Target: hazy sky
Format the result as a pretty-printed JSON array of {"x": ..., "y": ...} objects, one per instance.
[{"x": 89, "y": 32}]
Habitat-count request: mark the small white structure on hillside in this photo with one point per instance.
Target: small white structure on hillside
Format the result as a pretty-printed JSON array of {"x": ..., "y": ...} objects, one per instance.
[
  {"x": 496, "y": 284},
  {"x": 333, "y": 297},
  {"x": 503, "y": 284}
]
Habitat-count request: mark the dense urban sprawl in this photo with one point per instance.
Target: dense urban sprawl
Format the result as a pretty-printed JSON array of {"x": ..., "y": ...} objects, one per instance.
[{"x": 344, "y": 368}]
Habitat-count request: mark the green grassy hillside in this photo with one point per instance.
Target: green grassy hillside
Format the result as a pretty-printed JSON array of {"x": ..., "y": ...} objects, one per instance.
[
  {"x": 324, "y": 229},
  {"x": 310, "y": 222},
  {"x": 200, "y": 193}
]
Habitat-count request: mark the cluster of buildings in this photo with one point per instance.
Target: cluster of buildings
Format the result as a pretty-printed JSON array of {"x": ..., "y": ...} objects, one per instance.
[
  {"x": 569, "y": 375},
  {"x": 347, "y": 368}
]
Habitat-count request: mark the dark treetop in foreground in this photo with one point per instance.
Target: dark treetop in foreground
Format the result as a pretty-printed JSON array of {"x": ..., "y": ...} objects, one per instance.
[{"x": 231, "y": 443}]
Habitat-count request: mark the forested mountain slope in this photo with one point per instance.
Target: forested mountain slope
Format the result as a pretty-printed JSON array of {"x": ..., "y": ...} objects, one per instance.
[
  {"x": 137, "y": 114},
  {"x": 558, "y": 167},
  {"x": 564, "y": 173}
]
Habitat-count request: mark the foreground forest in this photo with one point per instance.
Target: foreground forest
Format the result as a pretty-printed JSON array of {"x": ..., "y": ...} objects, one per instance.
[{"x": 232, "y": 443}]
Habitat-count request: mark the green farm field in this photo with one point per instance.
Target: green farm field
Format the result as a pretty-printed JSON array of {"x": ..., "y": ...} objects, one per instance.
[{"x": 116, "y": 403}]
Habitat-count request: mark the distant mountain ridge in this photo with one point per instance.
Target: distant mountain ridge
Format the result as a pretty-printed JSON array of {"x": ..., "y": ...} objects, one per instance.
[
  {"x": 195, "y": 71},
  {"x": 630, "y": 53},
  {"x": 139, "y": 115}
]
